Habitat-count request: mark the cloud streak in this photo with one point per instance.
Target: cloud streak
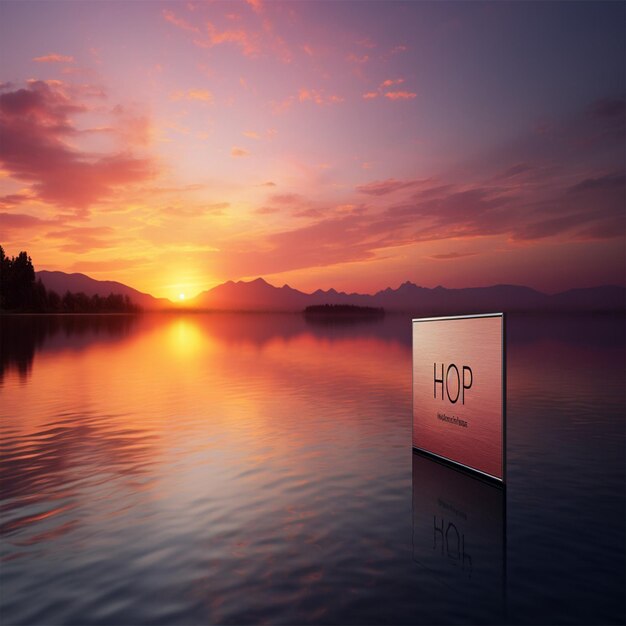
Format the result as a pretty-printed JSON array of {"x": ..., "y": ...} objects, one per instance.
[
  {"x": 37, "y": 145},
  {"x": 590, "y": 209},
  {"x": 238, "y": 153},
  {"x": 199, "y": 95},
  {"x": 80, "y": 240},
  {"x": 383, "y": 91},
  {"x": 400, "y": 95},
  {"x": 385, "y": 187},
  {"x": 54, "y": 58}
]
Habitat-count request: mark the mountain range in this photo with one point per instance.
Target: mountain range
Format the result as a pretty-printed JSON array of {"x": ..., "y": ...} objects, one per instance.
[
  {"x": 77, "y": 283},
  {"x": 259, "y": 295}
]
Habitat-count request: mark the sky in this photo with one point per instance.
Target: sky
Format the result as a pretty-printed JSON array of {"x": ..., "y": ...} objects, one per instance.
[{"x": 175, "y": 145}]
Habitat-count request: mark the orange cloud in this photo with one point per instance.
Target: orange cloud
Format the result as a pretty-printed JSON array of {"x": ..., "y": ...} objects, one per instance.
[
  {"x": 257, "y": 5},
  {"x": 392, "y": 95},
  {"x": 390, "y": 82},
  {"x": 250, "y": 42},
  {"x": 318, "y": 97},
  {"x": 179, "y": 22},
  {"x": 306, "y": 94},
  {"x": 400, "y": 95},
  {"x": 201, "y": 95},
  {"x": 238, "y": 152},
  {"x": 54, "y": 58},
  {"x": 247, "y": 42}
]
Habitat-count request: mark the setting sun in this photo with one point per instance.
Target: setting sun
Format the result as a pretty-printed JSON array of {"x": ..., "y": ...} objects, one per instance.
[{"x": 181, "y": 296}]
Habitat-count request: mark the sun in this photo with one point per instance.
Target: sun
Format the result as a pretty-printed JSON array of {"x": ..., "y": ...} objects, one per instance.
[{"x": 181, "y": 296}]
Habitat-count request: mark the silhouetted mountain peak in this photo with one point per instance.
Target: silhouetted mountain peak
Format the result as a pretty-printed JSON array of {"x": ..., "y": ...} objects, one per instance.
[
  {"x": 406, "y": 287},
  {"x": 81, "y": 283}
]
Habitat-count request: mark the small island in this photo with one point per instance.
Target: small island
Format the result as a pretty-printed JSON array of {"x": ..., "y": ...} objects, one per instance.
[{"x": 344, "y": 311}]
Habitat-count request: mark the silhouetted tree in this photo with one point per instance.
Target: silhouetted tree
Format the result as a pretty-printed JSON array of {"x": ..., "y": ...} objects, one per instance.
[
  {"x": 54, "y": 302},
  {"x": 37, "y": 297},
  {"x": 17, "y": 282},
  {"x": 20, "y": 292},
  {"x": 5, "y": 268},
  {"x": 67, "y": 303}
]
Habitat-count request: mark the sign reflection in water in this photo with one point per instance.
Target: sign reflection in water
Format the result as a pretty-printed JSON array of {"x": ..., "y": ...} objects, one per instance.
[{"x": 459, "y": 531}]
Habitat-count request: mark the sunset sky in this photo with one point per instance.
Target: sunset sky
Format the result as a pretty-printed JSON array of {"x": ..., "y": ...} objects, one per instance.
[{"x": 355, "y": 145}]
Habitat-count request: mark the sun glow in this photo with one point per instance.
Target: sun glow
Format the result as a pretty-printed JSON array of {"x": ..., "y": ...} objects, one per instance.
[
  {"x": 186, "y": 339},
  {"x": 181, "y": 296}
]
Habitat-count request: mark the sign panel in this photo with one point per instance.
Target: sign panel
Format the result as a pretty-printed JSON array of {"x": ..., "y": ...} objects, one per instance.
[{"x": 458, "y": 390}]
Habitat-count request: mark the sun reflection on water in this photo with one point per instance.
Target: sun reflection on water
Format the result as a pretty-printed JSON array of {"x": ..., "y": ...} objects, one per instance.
[{"x": 186, "y": 339}]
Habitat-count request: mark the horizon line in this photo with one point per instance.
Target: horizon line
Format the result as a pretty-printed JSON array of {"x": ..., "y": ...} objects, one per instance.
[{"x": 180, "y": 304}]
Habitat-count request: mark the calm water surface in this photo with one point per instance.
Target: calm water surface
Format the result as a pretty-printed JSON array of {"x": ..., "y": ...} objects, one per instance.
[{"x": 240, "y": 469}]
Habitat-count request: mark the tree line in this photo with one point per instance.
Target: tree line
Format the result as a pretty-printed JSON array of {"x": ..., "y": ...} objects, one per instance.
[{"x": 22, "y": 292}]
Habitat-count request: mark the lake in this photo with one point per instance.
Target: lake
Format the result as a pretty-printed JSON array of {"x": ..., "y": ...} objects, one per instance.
[{"x": 243, "y": 469}]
